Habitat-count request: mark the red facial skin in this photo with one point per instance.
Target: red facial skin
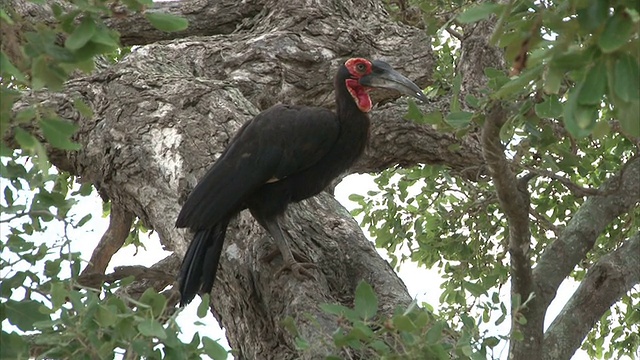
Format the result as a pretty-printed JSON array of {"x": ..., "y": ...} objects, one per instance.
[{"x": 359, "y": 67}]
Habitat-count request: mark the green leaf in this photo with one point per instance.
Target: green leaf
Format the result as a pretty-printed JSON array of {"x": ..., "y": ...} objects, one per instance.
[
  {"x": 83, "y": 108},
  {"x": 13, "y": 346},
  {"x": 627, "y": 78},
  {"x": 84, "y": 220},
  {"x": 8, "y": 68},
  {"x": 404, "y": 323},
  {"x": 459, "y": 119},
  {"x": 617, "y": 32},
  {"x": 601, "y": 130},
  {"x": 203, "y": 308},
  {"x": 594, "y": 85},
  {"x": 433, "y": 118},
  {"x": 586, "y": 117},
  {"x": 578, "y": 119},
  {"x": 435, "y": 332},
  {"x": 60, "y": 54},
  {"x": 517, "y": 335},
  {"x": 479, "y": 12},
  {"x": 24, "y": 314},
  {"x": 335, "y": 309},
  {"x": 518, "y": 83},
  {"x": 156, "y": 301},
  {"x": 106, "y": 316},
  {"x": 25, "y": 140},
  {"x": 26, "y": 115},
  {"x": 301, "y": 344},
  {"x": 5, "y": 17},
  {"x": 551, "y": 108},
  {"x": 553, "y": 77},
  {"x": 58, "y": 133},
  {"x": 366, "y": 301},
  {"x": 593, "y": 16},
  {"x": 45, "y": 74},
  {"x": 108, "y": 38},
  {"x": 628, "y": 117},
  {"x": 58, "y": 295},
  {"x": 167, "y": 22},
  {"x": 152, "y": 328},
  {"x": 414, "y": 114},
  {"x": 475, "y": 289},
  {"x": 81, "y": 34},
  {"x": 213, "y": 349}
]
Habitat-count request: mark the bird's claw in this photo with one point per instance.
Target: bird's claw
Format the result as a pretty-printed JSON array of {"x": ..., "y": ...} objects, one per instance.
[
  {"x": 297, "y": 262},
  {"x": 299, "y": 270},
  {"x": 297, "y": 256}
]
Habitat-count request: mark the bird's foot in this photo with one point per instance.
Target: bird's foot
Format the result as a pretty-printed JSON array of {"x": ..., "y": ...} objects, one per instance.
[
  {"x": 299, "y": 270},
  {"x": 298, "y": 264},
  {"x": 297, "y": 256}
]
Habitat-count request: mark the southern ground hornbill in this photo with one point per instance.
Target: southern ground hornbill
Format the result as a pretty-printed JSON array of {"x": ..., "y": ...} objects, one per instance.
[{"x": 285, "y": 154}]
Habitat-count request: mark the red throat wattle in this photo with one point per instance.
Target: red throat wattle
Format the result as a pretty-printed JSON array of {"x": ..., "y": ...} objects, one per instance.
[{"x": 360, "y": 94}]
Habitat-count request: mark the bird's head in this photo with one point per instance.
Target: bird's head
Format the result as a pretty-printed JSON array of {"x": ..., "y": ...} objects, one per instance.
[{"x": 365, "y": 75}]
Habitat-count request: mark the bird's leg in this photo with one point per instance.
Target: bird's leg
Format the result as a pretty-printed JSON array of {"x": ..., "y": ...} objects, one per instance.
[{"x": 298, "y": 269}]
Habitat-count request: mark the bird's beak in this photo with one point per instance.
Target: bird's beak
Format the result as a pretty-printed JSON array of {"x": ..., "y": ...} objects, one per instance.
[{"x": 383, "y": 76}]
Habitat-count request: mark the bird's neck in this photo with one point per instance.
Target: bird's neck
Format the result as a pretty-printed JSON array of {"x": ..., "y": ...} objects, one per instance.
[
  {"x": 354, "y": 124},
  {"x": 346, "y": 107}
]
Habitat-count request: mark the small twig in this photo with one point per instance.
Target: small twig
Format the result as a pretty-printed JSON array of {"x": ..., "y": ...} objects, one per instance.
[
  {"x": 576, "y": 189},
  {"x": 34, "y": 213},
  {"x": 544, "y": 222},
  {"x": 454, "y": 33}
]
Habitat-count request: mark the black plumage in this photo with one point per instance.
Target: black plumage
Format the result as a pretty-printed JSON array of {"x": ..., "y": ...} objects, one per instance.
[{"x": 285, "y": 154}]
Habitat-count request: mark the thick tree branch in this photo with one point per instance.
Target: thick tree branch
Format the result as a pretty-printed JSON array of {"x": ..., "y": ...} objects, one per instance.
[
  {"x": 206, "y": 17},
  {"x": 579, "y": 236},
  {"x": 397, "y": 141},
  {"x": 514, "y": 201},
  {"x": 120, "y": 221},
  {"x": 610, "y": 278}
]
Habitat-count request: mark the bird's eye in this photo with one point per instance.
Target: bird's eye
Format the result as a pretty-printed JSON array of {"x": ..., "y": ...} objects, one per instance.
[{"x": 361, "y": 67}]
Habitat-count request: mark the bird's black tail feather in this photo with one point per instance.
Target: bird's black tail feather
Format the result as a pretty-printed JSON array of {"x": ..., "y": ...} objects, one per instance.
[{"x": 200, "y": 263}]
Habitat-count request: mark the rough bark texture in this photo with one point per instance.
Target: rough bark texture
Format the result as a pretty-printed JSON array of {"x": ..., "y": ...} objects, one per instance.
[{"x": 164, "y": 113}]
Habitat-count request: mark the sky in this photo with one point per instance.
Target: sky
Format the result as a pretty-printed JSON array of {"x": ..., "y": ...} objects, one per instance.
[{"x": 423, "y": 284}]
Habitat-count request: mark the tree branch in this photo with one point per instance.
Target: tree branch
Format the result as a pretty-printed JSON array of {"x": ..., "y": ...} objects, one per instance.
[
  {"x": 610, "y": 278},
  {"x": 514, "y": 201},
  {"x": 120, "y": 221},
  {"x": 576, "y": 189},
  {"x": 140, "y": 273},
  {"x": 397, "y": 141},
  {"x": 580, "y": 234}
]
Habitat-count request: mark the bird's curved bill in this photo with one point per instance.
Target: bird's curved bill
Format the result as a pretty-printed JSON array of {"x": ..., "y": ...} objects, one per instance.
[{"x": 383, "y": 76}]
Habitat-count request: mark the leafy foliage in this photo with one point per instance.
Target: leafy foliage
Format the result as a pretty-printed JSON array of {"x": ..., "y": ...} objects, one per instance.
[
  {"x": 573, "y": 86},
  {"x": 413, "y": 332},
  {"x": 45, "y": 312}
]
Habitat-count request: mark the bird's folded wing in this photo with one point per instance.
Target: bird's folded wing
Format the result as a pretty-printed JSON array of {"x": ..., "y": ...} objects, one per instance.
[{"x": 279, "y": 142}]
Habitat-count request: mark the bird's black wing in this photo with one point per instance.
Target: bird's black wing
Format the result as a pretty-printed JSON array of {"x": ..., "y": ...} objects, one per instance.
[{"x": 279, "y": 142}]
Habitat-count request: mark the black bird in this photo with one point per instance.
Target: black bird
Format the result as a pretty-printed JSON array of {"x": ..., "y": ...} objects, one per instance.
[{"x": 285, "y": 154}]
